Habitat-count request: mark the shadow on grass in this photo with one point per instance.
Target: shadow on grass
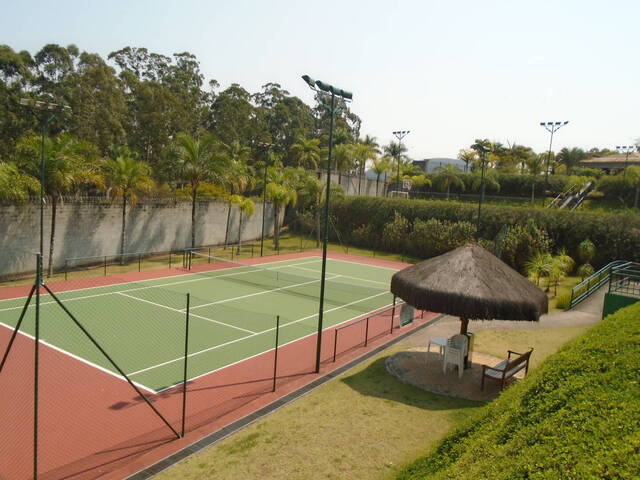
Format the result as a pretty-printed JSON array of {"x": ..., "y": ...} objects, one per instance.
[{"x": 375, "y": 381}]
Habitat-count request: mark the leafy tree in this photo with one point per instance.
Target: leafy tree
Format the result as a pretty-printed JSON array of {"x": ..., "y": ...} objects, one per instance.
[
  {"x": 15, "y": 186},
  {"x": 448, "y": 176},
  {"x": 238, "y": 176},
  {"x": 195, "y": 161},
  {"x": 69, "y": 164},
  {"x": 307, "y": 152},
  {"x": 312, "y": 195},
  {"x": 491, "y": 180},
  {"x": 397, "y": 151},
  {"x": 586, "y": 253},
  {"x": 344, "y": 158},
  {"x": 571, "y": 158},
  {"x": 127, "y": 178},
  {"x": 539, "y": 266},
  {"x": 281, "y": 196},
  {"x": 362, "y": 152},
  {"x": 247, "y": 208},
  {"x": 469, "y": 157},
  {"x": 379, "y": 166},
  {"x": 632, "y": 176}
]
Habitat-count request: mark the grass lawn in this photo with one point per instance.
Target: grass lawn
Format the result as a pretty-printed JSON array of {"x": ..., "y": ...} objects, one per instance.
[{"x": 365, "y": 424}]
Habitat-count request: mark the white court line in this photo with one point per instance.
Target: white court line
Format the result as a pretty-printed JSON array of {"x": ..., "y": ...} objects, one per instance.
[
  {"x": 145, "y": 288},
  {"x": 181, "y": 311},
  {"x": 80, "y": 359},
  {"x": 252, "y": 335},
  {"x": 256, "y": 293},
  {"x": 168, "y": 276},
  {"x": 365, "y": 264},
  {"x": 342, "y": 275}
]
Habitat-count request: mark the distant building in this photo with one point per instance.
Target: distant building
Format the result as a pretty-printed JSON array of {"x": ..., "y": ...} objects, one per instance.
[
  {"x": 612, "y": 164},
  {"x": 429, "y": 165}
]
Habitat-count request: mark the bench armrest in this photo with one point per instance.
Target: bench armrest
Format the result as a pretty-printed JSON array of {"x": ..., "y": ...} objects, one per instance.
[{"x": 515, "y": 353}]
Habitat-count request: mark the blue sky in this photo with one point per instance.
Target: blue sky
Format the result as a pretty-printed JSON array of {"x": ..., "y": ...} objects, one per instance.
[{"x": 449, "y": 71}]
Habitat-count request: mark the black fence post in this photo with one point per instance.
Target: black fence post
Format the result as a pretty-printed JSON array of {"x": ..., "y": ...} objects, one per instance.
[
  {"x": 393, "y": 313},
  {"x": 36, "y": 367},
  {"x": 275, "y": 358},
  {"x": 335, "y": 345},
  {"x": 186, "y": 357},
  {"x": 105, "y": 265},
  {"x": 366, "y": 333},
  {"x": 66, "y": 269},
  {"x": 139, "y": 261},
  {"x": 169, "y": 258}
]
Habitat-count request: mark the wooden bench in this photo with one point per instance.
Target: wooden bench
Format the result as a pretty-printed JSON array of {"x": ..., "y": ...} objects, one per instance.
[{"x": 507, "y": 368}]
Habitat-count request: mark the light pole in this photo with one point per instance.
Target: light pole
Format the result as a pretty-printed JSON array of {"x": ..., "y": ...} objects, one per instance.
[
  {"x": 265, "y": 148},
  {"x": 626, "y": 149},
  {"x": 325, "y": 89},
  {"x": 551, "y": 127},
  {"x": 50, "y": 110},
  {"x": 484, "y": 151},
  {"x": 399, "y": 134}
]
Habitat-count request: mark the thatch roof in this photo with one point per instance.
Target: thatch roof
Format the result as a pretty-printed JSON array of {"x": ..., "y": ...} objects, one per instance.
[{"x": 470, "y": 282}]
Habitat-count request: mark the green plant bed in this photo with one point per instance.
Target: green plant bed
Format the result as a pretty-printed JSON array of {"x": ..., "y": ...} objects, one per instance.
[{"x": 577, "y": 416}]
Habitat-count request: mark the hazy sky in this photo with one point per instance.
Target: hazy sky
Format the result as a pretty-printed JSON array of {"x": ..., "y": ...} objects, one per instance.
[{"x": 449, "y": 71}]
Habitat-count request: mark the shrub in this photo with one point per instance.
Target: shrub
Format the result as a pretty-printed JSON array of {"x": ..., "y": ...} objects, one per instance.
[
  {"x": 577, "y": 416},
  {"x": 521, "y": 242},
  {"x": 617, "y": 237},
  {"x": 394, "y": 233},
  {"x": 434, "y": 237},
  {"x": 563, "y": 300}
]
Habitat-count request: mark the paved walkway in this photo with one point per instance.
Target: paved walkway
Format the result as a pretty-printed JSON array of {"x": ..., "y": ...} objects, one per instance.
[{"x": 424, "y": 370}]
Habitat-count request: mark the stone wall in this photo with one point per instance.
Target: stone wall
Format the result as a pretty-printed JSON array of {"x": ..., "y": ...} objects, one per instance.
[{"x": 84, "y": 229}]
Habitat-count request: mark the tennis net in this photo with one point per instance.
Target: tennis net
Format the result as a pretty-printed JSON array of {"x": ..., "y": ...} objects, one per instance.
[{"x": 337, "y": 292}]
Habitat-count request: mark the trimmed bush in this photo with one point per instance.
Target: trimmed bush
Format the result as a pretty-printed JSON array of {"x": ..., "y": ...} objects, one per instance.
[
  {"x": 577, "y": 416},
  {"x": 434, "y": 237},
  {"x": 563, "y": 300},
  {"x": 616, "y": 237}
]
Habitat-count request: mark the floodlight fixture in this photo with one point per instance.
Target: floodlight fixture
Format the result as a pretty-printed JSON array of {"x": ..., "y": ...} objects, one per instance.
[
  {"x": 551, "y": 127},
  {"x": 310, "y": 81}
]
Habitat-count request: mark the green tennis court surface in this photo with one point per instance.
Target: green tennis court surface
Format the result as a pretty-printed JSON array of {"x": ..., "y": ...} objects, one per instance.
[{"x": 232, "y": 315}]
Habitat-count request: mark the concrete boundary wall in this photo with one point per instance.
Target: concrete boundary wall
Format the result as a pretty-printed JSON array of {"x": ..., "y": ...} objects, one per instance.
[{"x": 84, "y": 230}]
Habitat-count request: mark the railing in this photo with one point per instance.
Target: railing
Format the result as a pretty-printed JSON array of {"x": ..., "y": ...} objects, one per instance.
[
  {"x": 625, "y": 280},
  {"x": 590, "y": 284}
]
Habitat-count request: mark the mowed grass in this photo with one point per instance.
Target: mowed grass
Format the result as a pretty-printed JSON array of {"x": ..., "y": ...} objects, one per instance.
[{"x": 365, "y": 424}]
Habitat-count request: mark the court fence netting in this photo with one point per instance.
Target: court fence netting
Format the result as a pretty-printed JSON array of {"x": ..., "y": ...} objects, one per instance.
[{"x": 92, "y": 378}]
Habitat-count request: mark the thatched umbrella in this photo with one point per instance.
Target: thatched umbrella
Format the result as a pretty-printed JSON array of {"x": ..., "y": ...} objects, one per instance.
[{"x": 471, "y": 283}]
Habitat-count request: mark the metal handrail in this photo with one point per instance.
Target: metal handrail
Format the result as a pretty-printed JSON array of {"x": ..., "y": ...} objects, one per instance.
[{"x": 592, "y": 283}]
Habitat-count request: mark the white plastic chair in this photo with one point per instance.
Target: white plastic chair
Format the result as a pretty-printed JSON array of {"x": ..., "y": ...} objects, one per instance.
[
  {"x": 441, "y": 342},
  {"x": 454, "y": 353}
]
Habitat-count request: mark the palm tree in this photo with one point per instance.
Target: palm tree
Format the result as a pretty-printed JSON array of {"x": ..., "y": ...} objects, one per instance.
[
  {"x": 343, "y": 157},
  {"x": 281, "y": 196},
  {"x": 248, "y": 208},
  {"x": 69, "y": 163},
  {"x": 307, "y": 152},
  {"x": 362, "y": 152},
  {"x": 534, "y": 164},
  {"x": 379, "y": 166},
  {"x": 571, "y": 158},
  {"x": 126, "y": 178},
  {"x": 468, "y": 157},
  {"x": 539, "y": 266},
  {"x": 16, "y": 187},
  {"x": 396, "y": 150},
  {"x": 238, "y": 178},
  {"x": 197, "y": 160},
  {"x": 490, "y": 180},
  {"x": 632, "y": 176},
  {"x": 447, "y": 176}
]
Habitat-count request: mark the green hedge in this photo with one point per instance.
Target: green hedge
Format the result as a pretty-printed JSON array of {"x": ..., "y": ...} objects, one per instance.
[
  {"x": 361, "y": 221},
  {"x": 577, "y": 416}
]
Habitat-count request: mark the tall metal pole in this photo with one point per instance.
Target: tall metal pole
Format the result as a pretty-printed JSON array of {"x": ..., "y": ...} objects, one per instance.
[
  {"x": 627, "y": 149},
  {"x": 551, "y": 127},
  {"x": 325, "y": 238},
  {"x": 264, "y": 207},
  {"x": 484, "y": 164},
  {"x": 399, "y": 134}
]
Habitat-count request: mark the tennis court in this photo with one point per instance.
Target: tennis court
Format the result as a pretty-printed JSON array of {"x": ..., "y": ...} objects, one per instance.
[{"x": 232, "y": 315}]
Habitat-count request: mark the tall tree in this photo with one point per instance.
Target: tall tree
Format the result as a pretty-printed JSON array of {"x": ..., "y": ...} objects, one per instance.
[
  {"x": 632, "y": 176},
  {"x": 127, "y": 178},
  {"x": 447, "y": 176},
  {"x": 571, "y": 158},
  {"x": 69, "y": 164},
  {"x": 195, "y": 161},
  {"x": 246, "y": 208},
  {"x": 238, "y": 176},
  {"x": 379, "y": 166},
  {"x": 307, "y": 152},
  {"x": 362, "y": 152},
  {"x": 281, "y": 196},
  {"x": 397, "y": 151},
  {"x": 469, "y": 157},
  {"x": 15, "y": 186}
]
